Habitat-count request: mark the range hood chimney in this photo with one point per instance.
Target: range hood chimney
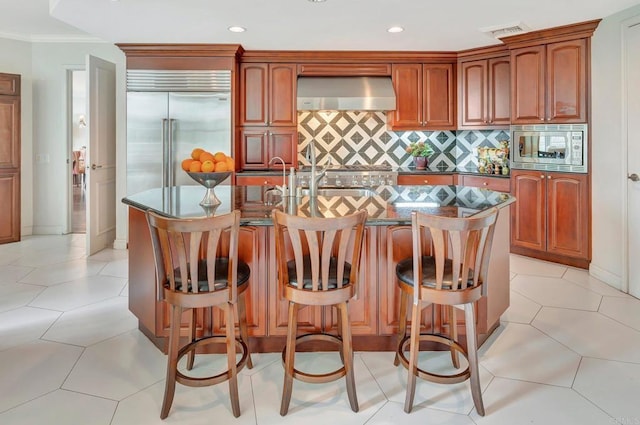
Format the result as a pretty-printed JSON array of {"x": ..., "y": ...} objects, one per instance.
[{"x": 346, "y": 94}]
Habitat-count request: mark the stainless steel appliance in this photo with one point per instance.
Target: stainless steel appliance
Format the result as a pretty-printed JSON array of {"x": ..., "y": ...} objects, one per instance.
[
  {"x": 169, "y": 113},
  {"x": 355, "y": 175},
  {"x": 559, "y": 147}
]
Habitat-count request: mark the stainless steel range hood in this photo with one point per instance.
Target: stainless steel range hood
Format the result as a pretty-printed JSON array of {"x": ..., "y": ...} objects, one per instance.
[{"x": 346, "y": 94}]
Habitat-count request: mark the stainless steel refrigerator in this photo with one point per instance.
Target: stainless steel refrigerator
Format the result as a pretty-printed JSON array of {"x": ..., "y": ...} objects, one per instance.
[{"x": 169, "y": 113}]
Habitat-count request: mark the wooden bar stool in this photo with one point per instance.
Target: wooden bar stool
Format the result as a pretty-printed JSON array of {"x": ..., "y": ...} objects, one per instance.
[
  {"x": 207, "y": 249},
  {"x": 323, "y": 272},
  {"x": 453, "y": 274}
]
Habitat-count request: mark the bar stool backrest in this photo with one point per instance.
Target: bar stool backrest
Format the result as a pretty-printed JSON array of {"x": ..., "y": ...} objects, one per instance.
[
  {"x": 326, "y": 242},
  {"x": 184, "y": 248},
  {"x": 465, "y": 241}
]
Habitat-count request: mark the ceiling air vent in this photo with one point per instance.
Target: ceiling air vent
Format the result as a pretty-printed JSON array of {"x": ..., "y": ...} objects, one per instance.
[{"x": 500, "y": 31}]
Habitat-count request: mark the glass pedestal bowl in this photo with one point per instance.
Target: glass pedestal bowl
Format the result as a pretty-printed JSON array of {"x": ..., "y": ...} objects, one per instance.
[{"x": 210, "y": 180}]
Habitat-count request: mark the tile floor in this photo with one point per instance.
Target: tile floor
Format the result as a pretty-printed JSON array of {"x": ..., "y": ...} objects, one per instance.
[{"x": 567, "y": 352}]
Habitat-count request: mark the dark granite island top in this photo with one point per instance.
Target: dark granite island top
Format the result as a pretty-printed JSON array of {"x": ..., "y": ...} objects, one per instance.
[
  {"x": 386, "y": 205},
  {"x": 373, "y": 312}
]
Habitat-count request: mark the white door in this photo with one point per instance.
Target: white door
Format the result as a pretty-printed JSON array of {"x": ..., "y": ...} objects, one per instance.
[
  {"x": 631, "y": 39},
  {"x": 101, "y": 154}
]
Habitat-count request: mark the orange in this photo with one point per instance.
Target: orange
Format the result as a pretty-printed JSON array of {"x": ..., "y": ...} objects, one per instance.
[
  {"x": 220, "y": 157},
  {"x": 206, "y": 156},
  {"x": 230, "y": 164},
  {"x": 195, "y": 154},
  {"x": 195, "y": 167},
  {"x": 221, "y": 166},
  {"x": 186, "y": 164},
  {"x": 207, "y": 166}
]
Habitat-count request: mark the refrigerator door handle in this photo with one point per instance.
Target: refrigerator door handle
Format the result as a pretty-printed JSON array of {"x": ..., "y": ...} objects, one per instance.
[
  {"x": 165, "y": 147},
  {"x": 169, "y": 162}
]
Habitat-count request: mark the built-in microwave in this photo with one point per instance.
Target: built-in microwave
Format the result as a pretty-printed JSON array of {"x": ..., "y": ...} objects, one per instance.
[{"x": 550, "y": 147}]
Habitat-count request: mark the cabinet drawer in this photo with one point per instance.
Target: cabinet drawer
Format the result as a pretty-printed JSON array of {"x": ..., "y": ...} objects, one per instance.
[
  {"x": 258, "y": 180},
  {"x": 494, "y": 183},
  {"x": 427, "y": 179}
]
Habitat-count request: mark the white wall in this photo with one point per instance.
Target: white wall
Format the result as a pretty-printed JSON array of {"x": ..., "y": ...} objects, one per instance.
[
  {"x": 15, "y": 58},
  {"x": 608, "y": 145},
  {"x": 50, "y": 63}
]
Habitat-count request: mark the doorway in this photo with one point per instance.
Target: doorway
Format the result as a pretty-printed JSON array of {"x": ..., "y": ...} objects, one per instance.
[
  {"x": 631, "y": 40},
  {"x": 79, "y": 140}
]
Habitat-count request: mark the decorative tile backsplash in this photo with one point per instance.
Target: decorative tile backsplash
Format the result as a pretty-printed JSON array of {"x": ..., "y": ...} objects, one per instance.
[{"x": 361, "y": 137}]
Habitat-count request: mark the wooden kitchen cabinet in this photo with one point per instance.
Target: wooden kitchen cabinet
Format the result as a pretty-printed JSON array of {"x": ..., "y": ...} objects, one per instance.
[
  {"x": 499, "y": 184},
  {"x": 427, "y": 179},
  {"x": 550, "y": 219},
  {"x": 549, "y": 83},
  {"x": 258, "y": 145},
  {"x": 9, "y": 158},
  {"x": 425, "y": 97},
  {"x": 484, "y": 93},
  {"x": 268, "y": 94}
]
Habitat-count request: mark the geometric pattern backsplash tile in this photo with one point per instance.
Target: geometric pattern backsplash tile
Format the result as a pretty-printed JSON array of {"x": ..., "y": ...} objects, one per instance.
[{"x": 361, "y": 137}]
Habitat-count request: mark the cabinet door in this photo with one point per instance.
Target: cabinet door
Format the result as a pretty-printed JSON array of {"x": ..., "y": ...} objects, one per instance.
[
  {"x": 283, "y": 142},
  {"x": 473, "y": 99},
  {"x": 9, "y": 207},
  {"x": 498, "y": 91},
  {"x": 438, "y": 96},
  {"x": 568, "y": 214},
  {"x": 528, "y": 85},
  {"x": 9, "y": 84},
  {"x": 407, "y": 83},
  {"x": 254, "y": 148},
  {"x": 566, "y": 81},
  {"x": 528, "y": 214},
  {"x": 282, "y": 95},
  {"x": 499, "y": 184},
  {"x": 9, "y": 132},
  {"x": 254, "y": 83}
]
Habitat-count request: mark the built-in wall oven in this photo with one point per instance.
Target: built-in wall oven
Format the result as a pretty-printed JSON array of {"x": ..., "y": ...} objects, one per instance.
[{"x": 550, "y": 147}]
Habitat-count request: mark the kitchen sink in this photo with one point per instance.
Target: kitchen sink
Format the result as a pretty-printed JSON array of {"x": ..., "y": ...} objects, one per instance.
[{"x": 342, "y": 191}]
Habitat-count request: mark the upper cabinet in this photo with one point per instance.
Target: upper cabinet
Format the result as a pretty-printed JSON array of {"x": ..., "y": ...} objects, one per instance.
[
  {"x": 268, "y": 94},
  {"x": 549, "y": 83},
  {"x": 484, "y": 93},
  {"x": 425, "y": 97}
]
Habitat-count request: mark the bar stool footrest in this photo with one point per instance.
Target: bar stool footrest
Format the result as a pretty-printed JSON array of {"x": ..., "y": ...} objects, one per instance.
[
  {"x": 434, "y": 377},
  {"x": 316, "y": 378},
  {"x": 204, "y": 381}
]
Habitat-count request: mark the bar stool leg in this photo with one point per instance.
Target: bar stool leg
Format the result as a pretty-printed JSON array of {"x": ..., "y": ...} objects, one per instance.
[
  {"x": 402, "y": 325},
  {"x": 244, "y": 333},
  {"x": 347, "y": 351},
  {"x": 453, "y": 334},
  {"x": 413, "y": 357},
  {"x": 231, "y": 359},
  {"x": 290, "y": 352},
  {"x": 192, "y": 337},
  {"x": 172, "y": 361},
  {"x": 472, "y": 352}
]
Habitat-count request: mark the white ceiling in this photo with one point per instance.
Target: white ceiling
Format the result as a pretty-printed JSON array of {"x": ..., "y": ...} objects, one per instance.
[{"x": 292, "y": 24}]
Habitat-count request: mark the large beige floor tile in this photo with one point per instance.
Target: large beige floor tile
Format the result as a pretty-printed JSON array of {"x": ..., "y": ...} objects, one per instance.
[
  {"x": 15, "y": 295},
  {"x": 582, "y": 277},
  {"x": 77, "y": 293},
  {"x": 31, "y": 370},
  {"x": 24, "y": 325},
  {"x": 554, "y": 292},
  {"x": 521, "y": 309},
  {"x": 524, "y": 353},
  {"x": 12, "y": 274},
  {"x": 529, "y": 266},
  {"x": 509, "y": 402},
  {"x": 392, "y": 413},
  {"x": 63, "y": 272},
  {"x": 61, "y": 407},
  {"x": 590, "y": 334},
  {"x": 623, "y": 310}
]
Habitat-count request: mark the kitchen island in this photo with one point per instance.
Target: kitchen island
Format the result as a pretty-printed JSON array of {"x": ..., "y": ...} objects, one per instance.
[{"x": 373, "y": 312}]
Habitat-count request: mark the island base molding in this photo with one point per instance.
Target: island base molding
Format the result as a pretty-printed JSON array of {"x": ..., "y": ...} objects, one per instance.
[
  {"x": 581, "y": 263},
  {"x": 275, "y": 344}
]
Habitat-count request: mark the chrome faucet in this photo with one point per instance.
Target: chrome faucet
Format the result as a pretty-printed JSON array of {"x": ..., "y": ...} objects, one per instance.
[
  {"x": 283, "y": 188},
  {"x": 315, "y": 176}
]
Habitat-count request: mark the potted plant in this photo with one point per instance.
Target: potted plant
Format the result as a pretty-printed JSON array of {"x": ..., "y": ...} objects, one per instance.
[{"x": 420, "y": 151}]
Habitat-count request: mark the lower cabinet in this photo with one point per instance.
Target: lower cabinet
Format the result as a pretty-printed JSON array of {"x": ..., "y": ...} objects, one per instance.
[
  {"x": 499, "y": 184},
  {"x": 550, "y": 219},
  {"x": 426, "y": 179}
]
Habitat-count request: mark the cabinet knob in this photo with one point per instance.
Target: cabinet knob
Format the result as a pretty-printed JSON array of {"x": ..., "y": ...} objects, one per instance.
[
  {"x": 549, "y": 177},
  {"x": 541, "y": 176},
  {"x": 426, "y": 181},
  {"x": 485, "y": 183},
  {"x": 266, "y": 133}
]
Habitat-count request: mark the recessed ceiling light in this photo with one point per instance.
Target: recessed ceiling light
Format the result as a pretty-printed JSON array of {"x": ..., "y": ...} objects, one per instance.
[
  {"x": 237, "y": 29},
  {"x": 395, "y": 29}
]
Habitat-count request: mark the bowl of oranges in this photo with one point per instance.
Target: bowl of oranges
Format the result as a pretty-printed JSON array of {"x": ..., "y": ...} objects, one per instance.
[{"x": 208, "y": 169}]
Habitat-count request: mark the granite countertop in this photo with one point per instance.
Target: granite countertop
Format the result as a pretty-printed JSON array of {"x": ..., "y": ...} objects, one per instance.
[
  {"x": 386, "y": 205},
  {"x": 400, "y": 170}
]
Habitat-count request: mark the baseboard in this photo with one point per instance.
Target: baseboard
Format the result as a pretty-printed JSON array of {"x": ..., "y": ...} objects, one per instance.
[
  {"x": 607, "y": 277},
  {"x": 26, "y": 231},
  {"x": 47, "y": 230},
  {"x": 119, "y": 244}
]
